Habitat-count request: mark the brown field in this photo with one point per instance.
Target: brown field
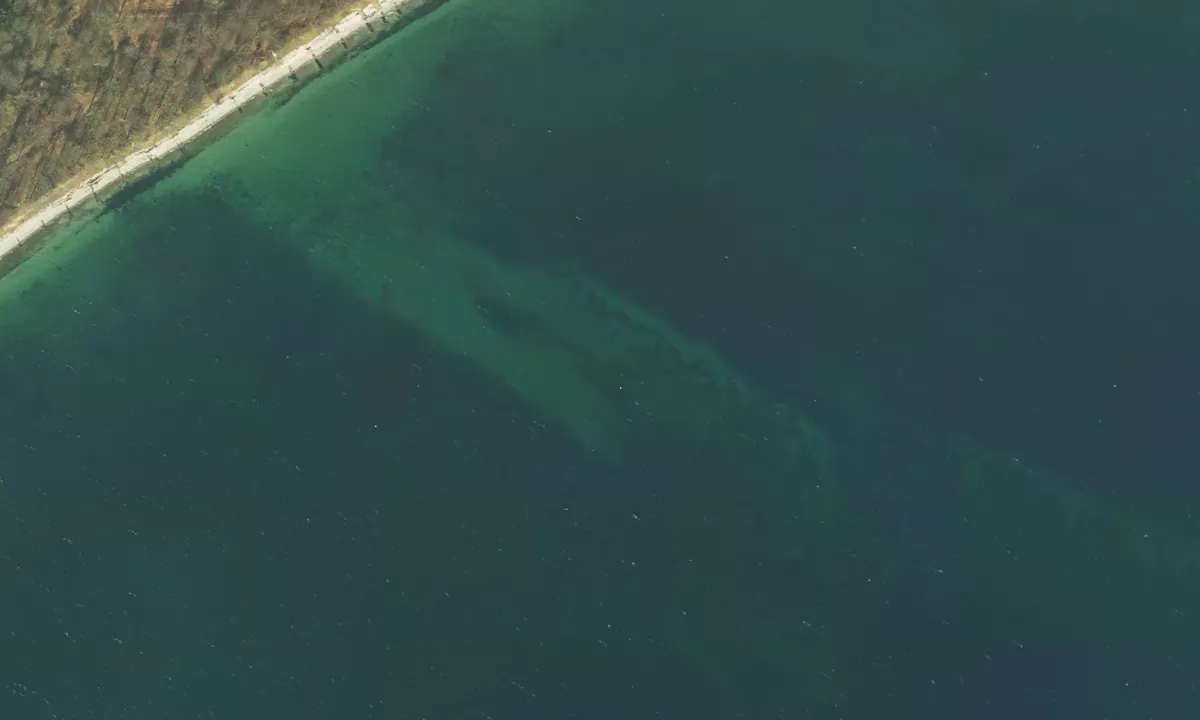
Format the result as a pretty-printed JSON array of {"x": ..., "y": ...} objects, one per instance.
[{"x": 83, "y": 80}]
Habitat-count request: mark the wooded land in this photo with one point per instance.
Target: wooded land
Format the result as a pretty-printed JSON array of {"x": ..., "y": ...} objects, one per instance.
[{"x": 81, "y": 81}]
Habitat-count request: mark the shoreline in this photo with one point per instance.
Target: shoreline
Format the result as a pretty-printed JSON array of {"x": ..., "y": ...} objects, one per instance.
[{"x": 366, "y": 24}]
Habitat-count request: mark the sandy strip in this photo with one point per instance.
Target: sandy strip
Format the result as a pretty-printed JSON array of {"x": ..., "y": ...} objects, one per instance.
[{"x": 350, "y": 30}]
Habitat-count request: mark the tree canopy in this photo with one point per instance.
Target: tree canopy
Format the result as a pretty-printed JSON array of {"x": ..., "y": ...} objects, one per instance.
[{"x": 82, "y": 80}]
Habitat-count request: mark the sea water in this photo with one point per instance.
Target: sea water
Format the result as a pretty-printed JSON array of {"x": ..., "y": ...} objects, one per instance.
[{"x": 570, "y": 359}]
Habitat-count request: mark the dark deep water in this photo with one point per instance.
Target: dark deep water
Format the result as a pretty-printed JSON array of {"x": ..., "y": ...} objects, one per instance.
[{"x": 567, "y": 359}]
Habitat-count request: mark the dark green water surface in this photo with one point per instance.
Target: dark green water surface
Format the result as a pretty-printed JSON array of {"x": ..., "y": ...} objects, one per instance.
[{"x": 658, "y": 359}]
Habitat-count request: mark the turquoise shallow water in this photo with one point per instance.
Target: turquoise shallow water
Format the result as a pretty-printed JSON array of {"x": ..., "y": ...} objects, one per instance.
[{"x": 657, "y": 359}]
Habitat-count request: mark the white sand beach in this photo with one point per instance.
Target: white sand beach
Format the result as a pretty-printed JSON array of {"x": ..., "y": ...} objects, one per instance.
[{"x": 351, "y": 30}]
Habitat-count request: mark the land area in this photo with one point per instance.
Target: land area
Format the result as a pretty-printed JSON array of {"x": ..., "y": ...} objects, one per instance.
[{"x": 84, "y": 81}]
